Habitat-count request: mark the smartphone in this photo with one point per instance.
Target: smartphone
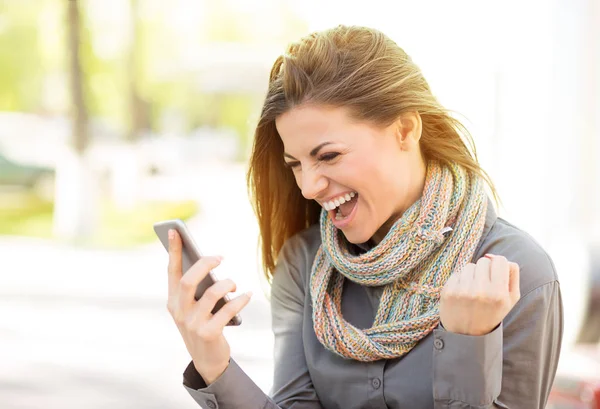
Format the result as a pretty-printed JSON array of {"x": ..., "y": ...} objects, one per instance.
[{"x": 190, "y": 254}]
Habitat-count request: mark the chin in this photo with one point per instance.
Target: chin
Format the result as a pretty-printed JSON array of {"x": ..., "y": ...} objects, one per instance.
[{"x": 357, "y": 236}]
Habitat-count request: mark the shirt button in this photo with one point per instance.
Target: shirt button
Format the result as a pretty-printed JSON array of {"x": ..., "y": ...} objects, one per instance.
[
  {"x": 211, "y": 404},
  {"x": 438, "y": 344},
  {"x": 376, "y": 383}
]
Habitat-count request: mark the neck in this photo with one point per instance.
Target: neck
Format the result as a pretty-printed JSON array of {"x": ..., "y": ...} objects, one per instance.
[{"x": 414, "y": 193}]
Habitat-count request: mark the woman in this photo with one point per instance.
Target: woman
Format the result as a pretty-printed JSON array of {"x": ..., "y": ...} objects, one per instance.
[{"x": 394, "y": 283}]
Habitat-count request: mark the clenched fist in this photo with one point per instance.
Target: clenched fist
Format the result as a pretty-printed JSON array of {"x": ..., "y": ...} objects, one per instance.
[{"x": 475, "y": 300}]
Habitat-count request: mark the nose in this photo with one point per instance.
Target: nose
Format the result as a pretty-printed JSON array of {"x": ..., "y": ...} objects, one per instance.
[{"x": 312, "y": 183}]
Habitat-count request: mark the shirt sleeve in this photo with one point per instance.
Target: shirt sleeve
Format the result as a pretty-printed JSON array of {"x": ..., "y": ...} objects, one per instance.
[
  {"x": 232, "y": 390},
  {"x": 512, "y": 367},
  {"x": 292, "y": 387}
]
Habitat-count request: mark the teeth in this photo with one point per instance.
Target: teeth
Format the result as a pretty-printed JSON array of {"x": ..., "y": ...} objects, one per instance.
[{"x": 338, "y": 201}]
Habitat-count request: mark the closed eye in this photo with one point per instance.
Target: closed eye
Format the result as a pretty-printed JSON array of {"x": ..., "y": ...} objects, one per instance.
[
  {"x": 326, "y": 157},
  {"x": 291, "y": 164}
]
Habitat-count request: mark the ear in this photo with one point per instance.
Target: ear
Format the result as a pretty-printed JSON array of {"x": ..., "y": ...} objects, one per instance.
[{"x": 408, "y": 130}]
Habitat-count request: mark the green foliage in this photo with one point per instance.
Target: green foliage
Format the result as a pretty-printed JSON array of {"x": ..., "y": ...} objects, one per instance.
[
  {"x": 21, "y": 73},
  {"x": 34, "y": 67}
]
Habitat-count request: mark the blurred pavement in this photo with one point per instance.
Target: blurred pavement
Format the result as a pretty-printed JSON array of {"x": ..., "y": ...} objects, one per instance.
[{"x": 89, "y": 328}]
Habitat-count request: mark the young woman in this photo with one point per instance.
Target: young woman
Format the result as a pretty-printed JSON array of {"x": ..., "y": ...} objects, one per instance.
[{"x": 394, "y": 283}]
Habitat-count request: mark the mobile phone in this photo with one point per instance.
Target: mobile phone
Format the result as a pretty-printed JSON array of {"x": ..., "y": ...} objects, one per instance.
[{"x": 190, "y": 254}]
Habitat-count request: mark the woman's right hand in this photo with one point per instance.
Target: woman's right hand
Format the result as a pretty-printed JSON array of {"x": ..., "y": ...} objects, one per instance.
[{"x": 201, "y": 331}]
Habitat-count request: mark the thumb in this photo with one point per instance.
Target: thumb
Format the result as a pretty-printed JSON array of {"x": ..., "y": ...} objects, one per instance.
[{"x": 514, "y": 282}]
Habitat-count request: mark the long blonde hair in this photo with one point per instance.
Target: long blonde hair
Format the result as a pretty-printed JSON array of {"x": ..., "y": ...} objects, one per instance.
[{"x": 360, "y": 69}]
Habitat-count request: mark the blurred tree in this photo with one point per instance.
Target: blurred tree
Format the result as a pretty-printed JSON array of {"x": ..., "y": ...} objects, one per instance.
[
  {"x": 79, "y": 110},
  {"x": 127, "y": 169},
  {"x": 75, "y": 209},
  {"x": 138, "y": 106}
]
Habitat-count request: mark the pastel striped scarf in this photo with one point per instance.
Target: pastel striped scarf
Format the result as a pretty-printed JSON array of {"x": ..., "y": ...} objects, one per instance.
[{"x": 413, "y": 262}]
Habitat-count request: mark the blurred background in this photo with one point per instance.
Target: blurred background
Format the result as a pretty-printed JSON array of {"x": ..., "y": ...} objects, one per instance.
[{"x": 115, "y": 114}]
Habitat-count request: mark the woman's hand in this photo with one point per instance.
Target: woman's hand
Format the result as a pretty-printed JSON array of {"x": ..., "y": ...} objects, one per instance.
[
  {"x": 202, "y": 331},
  {"x": 475, "y": 300}
]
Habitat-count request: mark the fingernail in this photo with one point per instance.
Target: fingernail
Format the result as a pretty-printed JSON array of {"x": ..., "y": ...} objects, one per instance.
[
  {"x": 220, "y": 258},
  {"x": 489, "y": 255},
  {"x": 249, "y": 294},
  {"x": 171, "y": 234}
]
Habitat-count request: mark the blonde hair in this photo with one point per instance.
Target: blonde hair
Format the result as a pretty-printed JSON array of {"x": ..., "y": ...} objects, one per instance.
[{"x": 364, "y": 71}]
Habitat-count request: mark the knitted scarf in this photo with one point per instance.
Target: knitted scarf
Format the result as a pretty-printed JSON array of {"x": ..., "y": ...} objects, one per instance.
[{"x": 435, "y": 237}]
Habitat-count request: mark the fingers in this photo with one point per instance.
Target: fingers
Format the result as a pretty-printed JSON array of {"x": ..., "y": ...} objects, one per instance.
[
  {"x": 452, "y": 280},
  {"x": 499, "y": 271},
  {"x": 174, "y": 268},
  {"x": 466, "y": 274},
  {"x": 230, "y": 309},
  {"x": 481, "y": 279},
  {"x": 507, "y": 275},
  {"x": 207, "y": 302},
  {"x": 189, "y": 282},
  {"x": 214, "y": 324}
]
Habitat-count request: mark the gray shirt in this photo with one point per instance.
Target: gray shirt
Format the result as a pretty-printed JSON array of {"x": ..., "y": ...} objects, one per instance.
[{"x": 511, "y": 367}]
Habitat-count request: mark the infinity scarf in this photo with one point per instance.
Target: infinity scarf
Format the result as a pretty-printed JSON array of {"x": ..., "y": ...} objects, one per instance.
[{"x": 413, "y": 262}]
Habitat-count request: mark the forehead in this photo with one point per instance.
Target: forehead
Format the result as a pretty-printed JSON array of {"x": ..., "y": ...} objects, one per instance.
[{"x": 312, "y": 124}]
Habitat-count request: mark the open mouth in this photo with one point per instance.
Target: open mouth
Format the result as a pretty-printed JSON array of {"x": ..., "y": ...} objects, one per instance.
[
  {"x": 341, "y": 210},
  {"x": 345, "y": 209}
]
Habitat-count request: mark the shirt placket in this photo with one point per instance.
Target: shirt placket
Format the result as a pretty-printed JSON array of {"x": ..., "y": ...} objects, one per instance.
[{"x": 375, "y": 385}]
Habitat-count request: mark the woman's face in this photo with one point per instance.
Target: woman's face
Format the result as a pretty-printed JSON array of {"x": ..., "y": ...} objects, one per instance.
[{"x": 365, "y": 176}]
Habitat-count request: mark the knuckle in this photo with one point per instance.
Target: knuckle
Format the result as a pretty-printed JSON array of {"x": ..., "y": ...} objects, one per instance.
[
  {"x": 205, "y": 334},
  {"x": 479, "y": 297},
  {"x": 465, "y": 293},
  {"x": 188, "y": 322},
  {"x": 453, "y": 294},
  {"x": 231, "y": 308},
  {"x": 501, "y": 258},
  {"x": 208, "y": 262},
  {"x": 472, "y": 296},
  {"x": 187, "y": 282},
  {"x": 483, "y": 261},
  {"x": 493, "y": 297},
  {"x": 179, "y": 319},
  {"x": 212, "y": 293},
  {"x": 498, "y": 298}
]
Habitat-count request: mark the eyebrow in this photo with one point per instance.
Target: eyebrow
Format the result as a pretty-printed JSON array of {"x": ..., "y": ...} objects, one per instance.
[{"x": 313, "y": 153}]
